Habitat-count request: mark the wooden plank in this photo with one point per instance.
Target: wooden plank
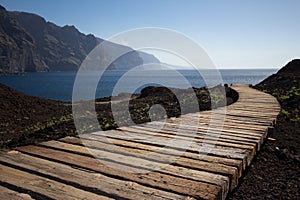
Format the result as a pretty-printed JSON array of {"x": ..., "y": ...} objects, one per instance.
[
  {"x": 173, "y": 152},
  {"x": 240, "y": 134},
  {"x": 186, "y": 133},
  {"x": 134, "y": 163},
  {"x": 261, "y": 108},
  {"x": 6, "y": 193},
  {"x": 222, "y": 136},
  {"x": 225, "y": 124},
  {"x": 166, "y": 143},
  {"x": 237, "y": 119},
  {"x": 164, "y": 182},
  {"x": 89, "y": 181},
  {"x": 196, "y": 136},
  {"x": 49, "y": 188},
  {"x": 228, "y": 160},
  {"x": 207, "y": 131},
  {"x": 209, "y": 124},
  {"x": 179, "y": 135},
  {"x": 223, "y": 115},
  {"x": 249, "y": 114},
  {"x": 215, "y": 168}
]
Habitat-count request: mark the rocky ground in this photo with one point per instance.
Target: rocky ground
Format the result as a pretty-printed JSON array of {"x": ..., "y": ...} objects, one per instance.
[
  {"x": 274, "y": 173},
  {"x": 25, "y": 119}
]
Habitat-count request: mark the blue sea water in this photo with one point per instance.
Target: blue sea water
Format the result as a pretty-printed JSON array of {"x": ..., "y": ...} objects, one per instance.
[{"x": 59, "y": 85}]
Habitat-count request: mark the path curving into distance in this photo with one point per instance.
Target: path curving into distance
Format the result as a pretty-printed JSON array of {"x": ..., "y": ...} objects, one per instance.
[{"x": 65, "y": 169}]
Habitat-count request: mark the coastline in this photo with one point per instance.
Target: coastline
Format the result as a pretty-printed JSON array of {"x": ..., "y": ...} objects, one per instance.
[
  {"x": 26, "y": 119},
  {"x": 59, "y": 85}
]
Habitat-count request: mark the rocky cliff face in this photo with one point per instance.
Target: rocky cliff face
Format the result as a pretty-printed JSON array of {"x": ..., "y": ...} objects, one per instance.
[
  {"x": 62, "y": 48},
  {"x": 18, "y": 51},
  {"x": 28, "y": 43}
]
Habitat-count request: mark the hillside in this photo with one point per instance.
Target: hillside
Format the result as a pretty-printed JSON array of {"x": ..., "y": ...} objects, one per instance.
[
  {"x": 285, "y": 85},
  {"x": 274, "y": 174},
  {"x": 22, "y": 115},
  {"x": 28, "y": 43}
]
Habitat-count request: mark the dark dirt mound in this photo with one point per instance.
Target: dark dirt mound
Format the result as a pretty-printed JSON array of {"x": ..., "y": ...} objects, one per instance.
[
  {"x": 274, "y": 174},
  {"x": 22, "y": 115},
  {"x": 285, "y": 86},
  {"x": 25, "y": 119},
  {"x": 292, "y": 68}
]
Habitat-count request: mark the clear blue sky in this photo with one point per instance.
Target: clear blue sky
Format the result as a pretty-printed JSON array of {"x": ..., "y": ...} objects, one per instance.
[{"x": 235, "y": 33}]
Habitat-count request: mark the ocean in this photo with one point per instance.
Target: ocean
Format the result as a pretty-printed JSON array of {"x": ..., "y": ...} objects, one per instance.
[{"x": 59, "y": 85}]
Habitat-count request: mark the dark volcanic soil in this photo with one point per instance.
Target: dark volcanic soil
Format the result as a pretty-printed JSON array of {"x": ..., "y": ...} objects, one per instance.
[
  {"x": 22, "y": 116},
  {"x": 275, "y": 173},
  {"x": 25, "y": 119}
]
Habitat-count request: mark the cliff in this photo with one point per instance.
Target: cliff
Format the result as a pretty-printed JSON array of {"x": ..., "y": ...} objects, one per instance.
[
  {"x": 18, "y": 51},
  {"x": 28, "y": 43}
]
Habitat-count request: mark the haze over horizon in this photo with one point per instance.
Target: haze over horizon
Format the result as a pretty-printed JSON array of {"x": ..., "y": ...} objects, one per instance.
[{"x": 235, "y": 34}]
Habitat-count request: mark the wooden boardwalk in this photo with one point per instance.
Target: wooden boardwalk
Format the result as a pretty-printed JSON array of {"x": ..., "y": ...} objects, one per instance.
[{"x": 66, "y": 169}]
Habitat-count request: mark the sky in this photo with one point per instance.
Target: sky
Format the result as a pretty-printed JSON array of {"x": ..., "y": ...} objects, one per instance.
[{"x": 234, "y": 33}]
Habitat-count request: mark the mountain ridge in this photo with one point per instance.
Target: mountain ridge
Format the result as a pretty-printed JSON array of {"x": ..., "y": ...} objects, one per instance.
[{"x": 29, "y": 43}]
